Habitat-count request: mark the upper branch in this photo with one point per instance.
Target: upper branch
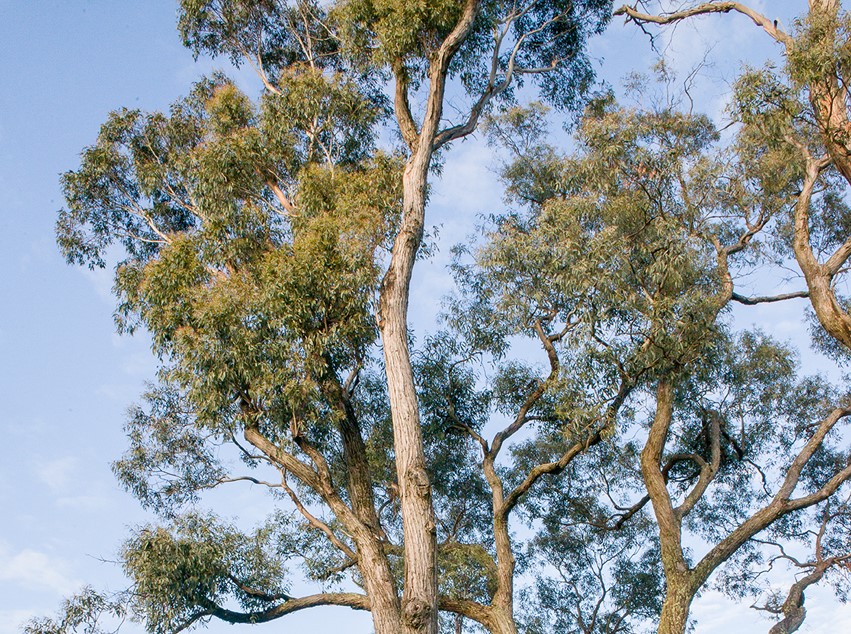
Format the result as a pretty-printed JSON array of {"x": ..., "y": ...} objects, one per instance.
[
  {"x": 803, "y": 457},
  {"x": 550, "y": 468},
  {"x": 439, "y": 68},
  {"x": 521, "y": 419},
  {"x": 781, "y": 504},
  {"x": 577, "y": 448},
  {"x": 494, "y": 86},
  {"x": 402, "y": 106},
  {"x": 769, "y": 26}
]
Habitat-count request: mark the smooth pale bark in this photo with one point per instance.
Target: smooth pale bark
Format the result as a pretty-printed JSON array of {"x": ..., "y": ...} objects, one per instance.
[
  {"x": 420, "y": 600},
  {"x": 819, "y": 277},
  {"x": 828, "y": 97},
  {"x": 419, "y": 603}
]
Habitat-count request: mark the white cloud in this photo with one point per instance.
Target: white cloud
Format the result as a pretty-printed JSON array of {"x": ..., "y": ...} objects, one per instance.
[
  {"x": 83, "y": 502},
  {"x": 139, "y": 364},
  {"x": 36, "y": 569},
  {"x": 714, "y": 613},
  {"x": 57, "y": 474},
  {"x": 468, "y": 185}
]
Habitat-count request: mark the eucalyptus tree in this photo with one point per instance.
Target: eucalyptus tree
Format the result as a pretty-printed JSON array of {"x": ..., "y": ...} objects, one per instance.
[
  {"x": 263, "y": 241},
  {"x": 796, "y": 119},
  {"x": 628, "y": 256},
  {"x": 828, "y": 557},
  {"x": 593, "y": 573},
  {"x": 802, "y": 110}
]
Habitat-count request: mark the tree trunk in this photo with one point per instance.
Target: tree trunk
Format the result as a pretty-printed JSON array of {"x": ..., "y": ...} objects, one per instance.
[
  {"x": 828, "y": 97},
  {"x": 675, "y": 608},
  {"x": 419, "y": 602},
  {"x": 792, "y": 620},
  {"x": 503, "y": 601},
  {"x": 502, "y": 621},
  {"x": 380, "y": 587},
  {"x": 372, "y": 558},
  {"x": 793, "y": 609}
]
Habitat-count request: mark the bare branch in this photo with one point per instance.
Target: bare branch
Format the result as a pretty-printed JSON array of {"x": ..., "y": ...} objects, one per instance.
[
  {"x": 286, "y": 203},
  {"x": 316, "y": 522},
  {"x": 707, "y": 469},
  {"x": 751, "y": 301},
  {"x": 769, "y": 26},
  {"x": 402, "y": 106}
]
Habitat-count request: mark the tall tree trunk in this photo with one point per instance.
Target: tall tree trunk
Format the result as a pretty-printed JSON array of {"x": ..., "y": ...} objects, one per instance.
[
  {"x": 503, "y": 601},
  {"x": 675, "y": 608},
  {"x": 419, "y": 602},
  {"x": 502, "y": 621},
  {"x": 380, "y": 587},
  {"x": 372, "y": 557},
  {"x": 680, "y": 590}
]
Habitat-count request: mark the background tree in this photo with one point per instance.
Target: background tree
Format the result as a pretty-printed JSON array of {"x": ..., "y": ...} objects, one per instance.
[
  {"x": 636, "y": 244},
  {"x": 802, "y": 111},
  {"x": 830, "y": 557},
  {"x": 798, "y": 117}
]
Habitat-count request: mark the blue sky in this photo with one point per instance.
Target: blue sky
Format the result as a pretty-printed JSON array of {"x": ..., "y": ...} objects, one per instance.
[{"x": 67, "y": 378}]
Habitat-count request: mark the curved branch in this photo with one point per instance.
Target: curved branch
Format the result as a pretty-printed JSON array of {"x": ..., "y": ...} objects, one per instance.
[
  {"x": 707, "y": 469},
  {"x": 781, "y": 504},
  {"x": 831, "y": 315},
  {"x": 521, "y": 419},
  {"x": 482, "y": 614},
  {"x": 345, "y": 599},
  {"x": 769, "y": 26}
]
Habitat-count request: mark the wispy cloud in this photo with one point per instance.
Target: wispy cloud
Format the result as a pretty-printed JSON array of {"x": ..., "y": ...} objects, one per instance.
[
  {"x": 37, "y": 570},
  {"x": 58, "y": 473},
  {"x": 83, "y": 502}
]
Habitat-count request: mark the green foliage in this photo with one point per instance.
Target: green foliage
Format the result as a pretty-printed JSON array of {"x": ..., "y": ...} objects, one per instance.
[
  {"x": 282, "y": 34},
  {"x": 170, "y": 459},
  {"x": 821, "y": 48},
  {"x": 184, "y": 570},
  {"x": 254, "y": 236},
  {"x": 550, "y": 37},
  {"x": 243, "y": 297},
  {"x": 613, "y": 251},
  {"x": 401, "y": 29},
  {"x": 87, "y": 612}
]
